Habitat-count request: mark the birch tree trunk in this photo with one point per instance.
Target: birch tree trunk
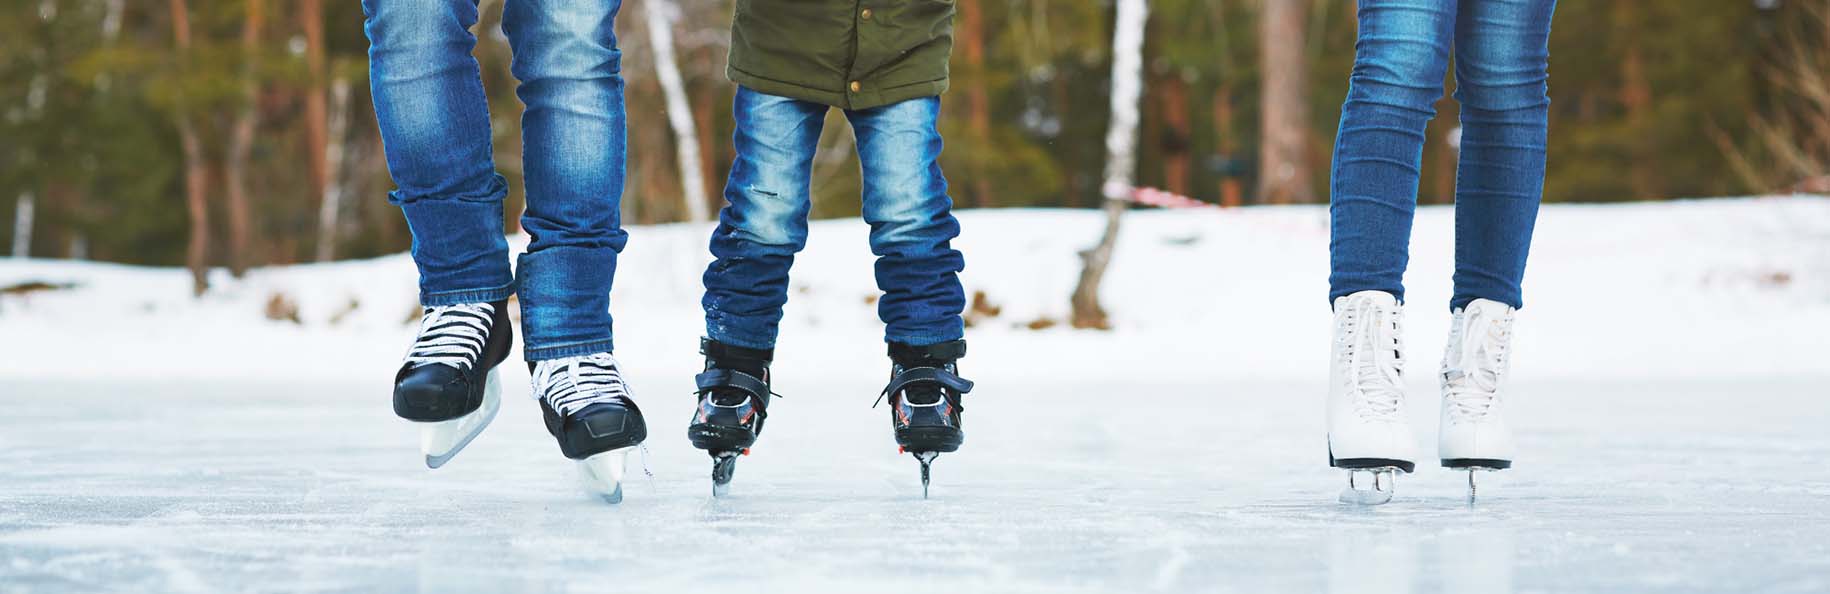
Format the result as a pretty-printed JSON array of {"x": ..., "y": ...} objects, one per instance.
[
  {"x": 1283, "y": 171},
  {"x": 22, "y": 225},
  {"x": 679, "y": 107},
  {"x": 196, "y": 172},
  {"x": 241, "y": 142},
  {"x": 1121, "y": 158},
  {"x": 332, "y": 205}
]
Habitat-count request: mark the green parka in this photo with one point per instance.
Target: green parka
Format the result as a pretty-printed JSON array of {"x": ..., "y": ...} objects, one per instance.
[{"x": 850, "y": 54}]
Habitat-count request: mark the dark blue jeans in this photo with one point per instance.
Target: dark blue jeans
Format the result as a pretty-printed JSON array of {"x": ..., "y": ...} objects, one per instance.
[
  {"x": 435, "y": 128},
  {"x": 1502, "y": 56},
  {"x": 765, "y": 224}
]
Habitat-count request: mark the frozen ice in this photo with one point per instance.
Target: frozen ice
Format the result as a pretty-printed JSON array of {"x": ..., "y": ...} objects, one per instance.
[
  {"x": 314, "y": 487},
  {"x": 1669, "y": 394}
]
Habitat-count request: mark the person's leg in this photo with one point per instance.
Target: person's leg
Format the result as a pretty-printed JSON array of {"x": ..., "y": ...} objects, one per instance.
[
  {"x": 434, "y": 126},
  {"x": 912, "y": 224},
  {"x": 1398, "y": 71},
  {"x": 765, "y": 223},
  {"x": 566, "y": 58},
  {"x": 1502, "y": 56}
]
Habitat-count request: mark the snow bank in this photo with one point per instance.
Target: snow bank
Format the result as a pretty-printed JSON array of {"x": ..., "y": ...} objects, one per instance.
[{"x": 1695, "y": 289}]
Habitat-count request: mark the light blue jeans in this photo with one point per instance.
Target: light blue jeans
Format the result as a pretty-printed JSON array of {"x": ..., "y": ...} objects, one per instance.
[
  {"x": 435, "y": 127},
  {"x": 1502, "y": 56},
  {"x": 765, "y": 224}
]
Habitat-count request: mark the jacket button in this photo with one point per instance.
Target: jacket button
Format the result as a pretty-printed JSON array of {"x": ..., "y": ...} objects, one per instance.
[
  {"x": 866, "y": 14},
  {"x": 855, "y": 86}
]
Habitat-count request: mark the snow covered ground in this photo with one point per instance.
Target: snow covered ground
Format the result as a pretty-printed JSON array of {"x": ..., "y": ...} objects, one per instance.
[{"x": 1670, "y": 380}]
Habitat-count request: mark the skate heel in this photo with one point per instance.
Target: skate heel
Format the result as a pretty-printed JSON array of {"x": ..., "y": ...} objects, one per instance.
[
  {"x": 440, "y": 441},
  {"x": 602, "y": 474},
  {"x": 720, "y": 438},
  {"x": 930, "y": 439}
]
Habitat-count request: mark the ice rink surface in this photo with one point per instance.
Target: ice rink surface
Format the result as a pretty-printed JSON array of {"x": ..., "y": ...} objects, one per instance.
[
  {"x": 314, "y": 487},
  {"x": 1671, "y": 390}
]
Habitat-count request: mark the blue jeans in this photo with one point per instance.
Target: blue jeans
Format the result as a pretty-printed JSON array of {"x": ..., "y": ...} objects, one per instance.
[
  {"x": 765, "y": 224},
  {"x": 1501, "y": 60},
  {"x": 435, "y": 127}
]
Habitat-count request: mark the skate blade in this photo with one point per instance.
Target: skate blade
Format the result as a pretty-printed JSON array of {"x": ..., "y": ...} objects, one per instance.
[
  {"x": 602, "y": 474},
  {"x": 1375, "y": 488},
  {"x": 927, "y": 461},
  {"x": 440, "y": 441},
  {"x": 724, "y": 466},
  {"x": 1473, "y": 485}
]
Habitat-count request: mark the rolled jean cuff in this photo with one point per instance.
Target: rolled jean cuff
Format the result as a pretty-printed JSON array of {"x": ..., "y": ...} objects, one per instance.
[
  {"x": 543, "y": 353},
  {"x": 728, "y": 334},
  {"x": 927, "y": 338},
  {"x": 466, "y": 296}
]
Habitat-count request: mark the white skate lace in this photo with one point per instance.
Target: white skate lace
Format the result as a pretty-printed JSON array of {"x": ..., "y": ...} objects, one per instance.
[
  {"x": 572, "y": 383},
  {"x": 452, "y": 335},
  {"x": 1377, "y": 383},
  {"x": 1471, "y": 392}
]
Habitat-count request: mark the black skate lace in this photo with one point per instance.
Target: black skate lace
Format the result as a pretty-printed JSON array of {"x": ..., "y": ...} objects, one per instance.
[
  {"x": 452, "y": 335},
  {"x": 573, "y": 383}
]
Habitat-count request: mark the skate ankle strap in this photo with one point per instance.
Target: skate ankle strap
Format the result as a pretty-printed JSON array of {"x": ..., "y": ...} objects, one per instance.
[
  {"x": 931, "y": 375},
  {"x": 729, "y": 378}
]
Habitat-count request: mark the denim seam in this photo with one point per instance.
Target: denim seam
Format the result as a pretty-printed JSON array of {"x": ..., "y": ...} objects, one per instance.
[
  {"x": 486, "y": 295},
  {"x": 573, "y": 349}
]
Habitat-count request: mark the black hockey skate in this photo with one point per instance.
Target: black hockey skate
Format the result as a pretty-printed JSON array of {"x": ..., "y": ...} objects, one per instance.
[
  {"x": 587, "y": 408},
  {"x": 448, "y": 384},
  {"x": 924, "y": 393},
  {"x": 733, "y": 403}
]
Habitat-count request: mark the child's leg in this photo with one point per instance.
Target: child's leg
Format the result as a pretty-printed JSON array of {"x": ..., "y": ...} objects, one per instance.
[
  {"x": 434, "y": 126},
  {"x": 765, "y": 223},
  {"x": 573, "y": 134},
  {"x": 1502, "y": 56},
  {"x": 912, "y": 224},
  {"x": 1402, "y": 54}
]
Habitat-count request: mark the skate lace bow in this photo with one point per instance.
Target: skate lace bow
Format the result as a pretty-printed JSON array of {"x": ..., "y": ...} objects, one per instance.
[
  {"x": 1472, "y": 376},
  {"x": 573, "y": 383},
  {"x": 452, "y": 335},
  {"x": 1376, "y": 379}
]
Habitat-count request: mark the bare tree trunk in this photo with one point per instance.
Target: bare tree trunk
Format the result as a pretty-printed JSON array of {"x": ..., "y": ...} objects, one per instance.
[
  {"x": 317, "y": 137},
  {"x": 679, "y": 107},
  {"x": 1121, "y": 158},
  {"x": 1231, "y": 192},
  {"x": 1636, "y": 97},
  {"x": 332, "y": 204},
  {"x": 971, "y": 36},
  {"x": 1283, "y": 162},
  {"x": 22, "y": 225},
  {"x": 196, "y": 172},
  {"x": 241, "y": 142},
  {"x": 1178, "y": 136}
]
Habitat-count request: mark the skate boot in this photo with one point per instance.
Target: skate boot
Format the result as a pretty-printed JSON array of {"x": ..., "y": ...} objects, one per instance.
[
  {"x": 924, "y": 393},
  {"x": 1474, "y": 434},
  {"x": 733, "y": 403},
  {"x": 448, "y": 384},
  {"x": 1369, "y": 432},
  {"x": 588, "y": 409}
]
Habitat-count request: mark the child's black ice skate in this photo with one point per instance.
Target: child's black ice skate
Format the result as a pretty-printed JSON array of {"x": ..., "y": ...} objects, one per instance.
[
  {"x": 924, "y": 392},
  {"x": 448, "y": 384},
  {"x": 588, "y": 410},
  {"x": 733, "y": 403}
]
